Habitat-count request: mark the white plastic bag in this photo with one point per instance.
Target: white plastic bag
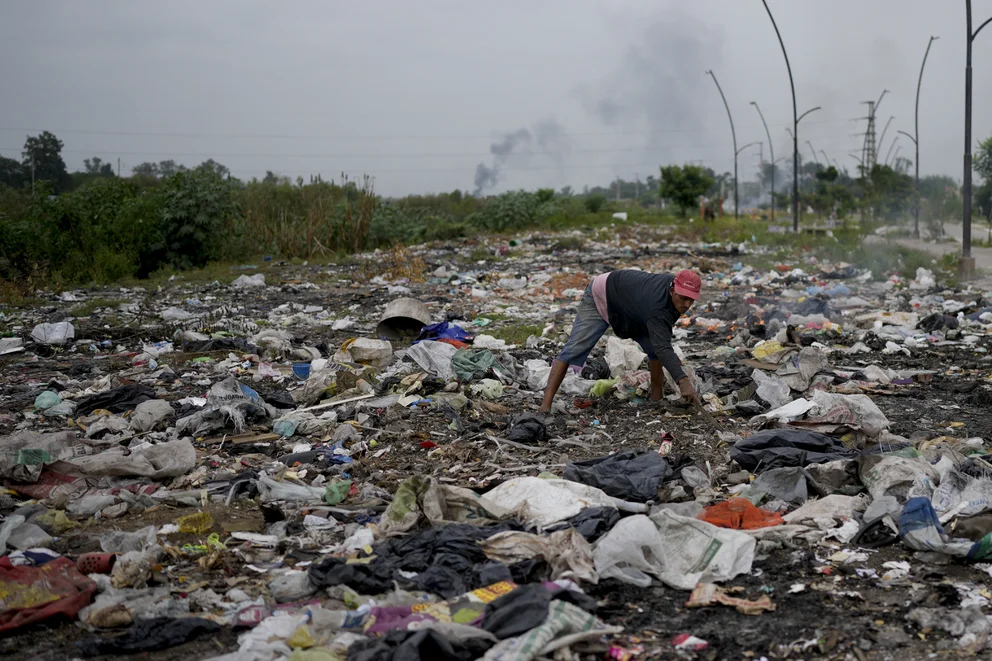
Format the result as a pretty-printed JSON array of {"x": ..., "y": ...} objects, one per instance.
[
  {"x": 541, "y": 502},
  {"x": 680, "y": 551},
  {"x": 58, "y": 333},
  {"x": 249, "y": 281},
  {"x": 434, "y": 357},
  {"x": 272, "y": 490},
  {"x": 623, "y": 355},
  {"x": 772, "y": 389}
]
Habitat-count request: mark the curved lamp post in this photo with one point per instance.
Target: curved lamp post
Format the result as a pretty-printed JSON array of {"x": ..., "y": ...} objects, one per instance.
[
  {"x": 771, "y": 149},
  {"x": 733, "y": 135},
  {"x": 795, "y": 124}
]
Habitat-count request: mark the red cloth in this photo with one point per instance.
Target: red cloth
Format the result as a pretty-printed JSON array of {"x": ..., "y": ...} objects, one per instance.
[{"x": 32, "y": 594}]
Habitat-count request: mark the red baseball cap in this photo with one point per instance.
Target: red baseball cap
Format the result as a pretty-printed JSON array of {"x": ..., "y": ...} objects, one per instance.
[{"x": 688, "y": 284}]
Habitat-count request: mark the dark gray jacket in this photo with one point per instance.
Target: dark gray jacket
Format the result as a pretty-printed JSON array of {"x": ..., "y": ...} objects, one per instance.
[{"x": 639, "y": 305}]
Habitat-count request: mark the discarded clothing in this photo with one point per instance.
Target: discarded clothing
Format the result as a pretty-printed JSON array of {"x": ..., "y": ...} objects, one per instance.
[
  {"x": 469, "y": 365},
  {"x": 151, "y": 634},
  {"x": 417, "y": 646},
  {"x": 592, "y": 522},
  {"x": 780, "y": 448},
  {"x": 634, "y": 476},
  {"x": 118, "y": 400},
  {"x": 517, "y": 613},
  {"x": 527, "y": 427}
]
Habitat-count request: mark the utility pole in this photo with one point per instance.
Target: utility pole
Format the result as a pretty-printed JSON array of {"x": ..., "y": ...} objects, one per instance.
[
  {"x": 618, "y": 188},
  {"x": 637, "y": 186},
  {"x": 118, "y": 167},
  {"x": 967, "y": 261},
  {"x": 870, "y": 156},
  {"x": 733, "y": 135},
  {"x": 771, "y": 150}
]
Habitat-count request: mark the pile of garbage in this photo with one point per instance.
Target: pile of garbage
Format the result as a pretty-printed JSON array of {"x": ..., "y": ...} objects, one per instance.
[{"x": 334, "y": 467}]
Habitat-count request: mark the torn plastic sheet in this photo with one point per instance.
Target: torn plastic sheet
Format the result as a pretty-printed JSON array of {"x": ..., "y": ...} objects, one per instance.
[{"x": 33, "y": 594}]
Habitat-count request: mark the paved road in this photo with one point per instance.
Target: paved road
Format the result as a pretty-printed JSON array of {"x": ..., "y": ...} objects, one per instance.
[{"x": 983, "y": 256}]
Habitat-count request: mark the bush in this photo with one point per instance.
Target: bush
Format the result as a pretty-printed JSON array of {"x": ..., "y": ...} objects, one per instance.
[{"x": 594, "y": 203}]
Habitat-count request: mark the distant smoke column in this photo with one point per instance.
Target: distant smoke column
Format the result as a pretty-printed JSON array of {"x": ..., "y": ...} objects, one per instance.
[{"x": 487, "y": 177}]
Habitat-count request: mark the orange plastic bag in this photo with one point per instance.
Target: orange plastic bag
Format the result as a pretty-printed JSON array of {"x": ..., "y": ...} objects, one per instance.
[{"x": 739, "y": 514}]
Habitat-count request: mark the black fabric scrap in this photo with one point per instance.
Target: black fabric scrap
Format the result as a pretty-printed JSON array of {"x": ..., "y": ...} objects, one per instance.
[
  {"x": 155, "y": 633},
  {"x": 592, "y": 522},
  {"x": 422, "y": 645},
  {"x": 118, "y": 400},
  {"x": 629, "y": 475},
  {"x": 595, "y": 369},
  {"x": 219, "y": 344},
  {"x": 785, "y": 448},
  {"x": 280, "y": 399},
  {"x": 517, "y": 612},
  {"x": 527, "y": 427}
]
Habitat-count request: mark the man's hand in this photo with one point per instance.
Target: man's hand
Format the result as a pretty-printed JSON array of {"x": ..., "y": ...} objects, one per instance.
[{"x": 688, "y": 392}]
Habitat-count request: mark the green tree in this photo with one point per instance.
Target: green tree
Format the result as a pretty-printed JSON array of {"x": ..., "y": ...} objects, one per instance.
[
  {"x": 145, "y": 170},
  {"x": 11, "y": 173},
  {"x": 43, "y": 155},
  {"x": 683, "y": 186},
  {"x": 169, "y": 168},
  {"x": 982, "y": 161},
  {"x": 96, "y": 166},
  {"x": 210, "y": 165}
]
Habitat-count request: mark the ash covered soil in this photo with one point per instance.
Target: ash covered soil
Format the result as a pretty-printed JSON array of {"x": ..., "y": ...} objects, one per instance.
[{"x": 826, "y": 607}]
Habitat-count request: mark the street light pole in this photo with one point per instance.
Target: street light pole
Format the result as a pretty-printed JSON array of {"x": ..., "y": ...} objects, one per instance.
[
  {"x": 815, "y": 159},
  {"x": 771, "y": 149},
  {"x": 733, "y": 135},
  {"x": 967, "y": 263},
  {"x": 916, "y": 140},
  {"x": 795, "y": 125},
  {"x": 796, "y": 165}
]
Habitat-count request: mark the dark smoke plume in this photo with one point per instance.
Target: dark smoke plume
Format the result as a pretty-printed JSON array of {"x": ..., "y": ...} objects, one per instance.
[{"x": 547, "y": 136}]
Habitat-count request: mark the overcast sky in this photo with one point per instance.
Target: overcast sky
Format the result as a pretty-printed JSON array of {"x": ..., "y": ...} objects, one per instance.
[{"x": 416, "y": 92}]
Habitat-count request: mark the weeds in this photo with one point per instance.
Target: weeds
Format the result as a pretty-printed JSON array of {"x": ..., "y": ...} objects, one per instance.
[{"x": 92, "y": 305}]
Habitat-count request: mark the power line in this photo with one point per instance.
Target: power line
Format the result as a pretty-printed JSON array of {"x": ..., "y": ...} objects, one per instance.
[{"x": 489, "y": 136}]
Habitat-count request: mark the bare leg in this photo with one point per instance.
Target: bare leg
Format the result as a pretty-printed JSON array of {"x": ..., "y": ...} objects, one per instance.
[
  {"x": 657, "y": 380},
  {"x": 557, "y": 375}
]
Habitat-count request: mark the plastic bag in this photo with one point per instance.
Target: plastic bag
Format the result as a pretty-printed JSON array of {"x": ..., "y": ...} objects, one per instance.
[
  {"x": 541, "y": 502},
  {"x": 272, "y": 490},
  {"x": 421, "y": 500},
  {"x": 156, "y": 461},
  {"x": 566, "y": 552},
  {"x": 888, "y": 475},
  {"x": 771, "y": 389},
  {"x": 678, "y": 550},
  {"x": 53, "y": 334},
  {"x": 739, "y": 514},
  {"x": 854, "y": 411},
  {"x": 249, "y": 281},
  {"x": 151, "y": 414},
  {"x": 634, "y": 476},
  {"x": 434, "y": 357},
  {"x": 623, "y": 356}
]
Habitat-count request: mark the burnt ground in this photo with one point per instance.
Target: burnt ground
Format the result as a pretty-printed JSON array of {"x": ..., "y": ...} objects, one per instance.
[{"x": 839, "y": 614}]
